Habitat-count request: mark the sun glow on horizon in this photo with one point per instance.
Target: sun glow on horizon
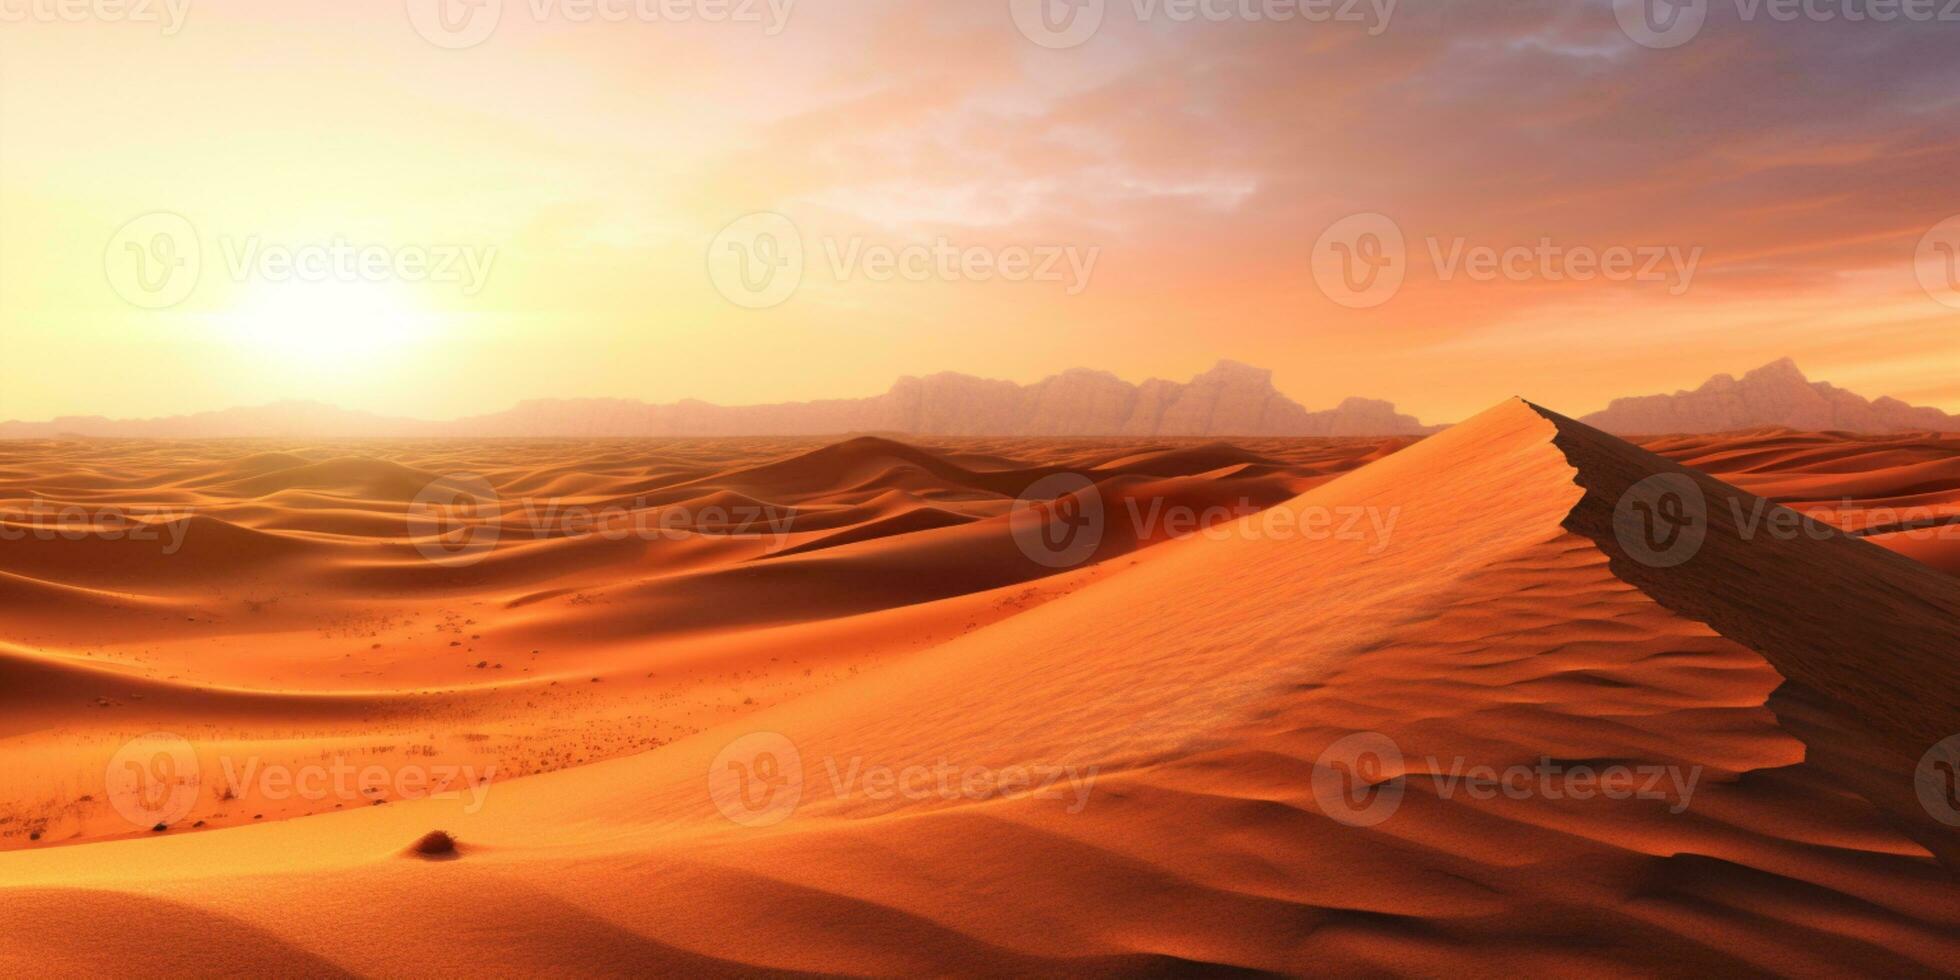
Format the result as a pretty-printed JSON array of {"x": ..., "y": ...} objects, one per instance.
[{"x": 314, "y": 325}]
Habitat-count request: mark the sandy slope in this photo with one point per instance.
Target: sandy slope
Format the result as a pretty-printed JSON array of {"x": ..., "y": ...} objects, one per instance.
[
  {"x": 275, "y": 600},
  {"x": 1195, "y": 703}
]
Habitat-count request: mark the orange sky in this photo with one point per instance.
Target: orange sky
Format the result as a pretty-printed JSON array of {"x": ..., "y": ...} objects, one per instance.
[{"x": 1188, "y": 169}]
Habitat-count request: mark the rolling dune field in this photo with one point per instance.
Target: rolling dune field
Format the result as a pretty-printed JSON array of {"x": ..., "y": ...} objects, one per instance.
[{"x": 1040, "y": 706}]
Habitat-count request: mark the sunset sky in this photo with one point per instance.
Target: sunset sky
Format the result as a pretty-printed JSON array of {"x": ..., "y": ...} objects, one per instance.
[{"x": 589, "y": 167}]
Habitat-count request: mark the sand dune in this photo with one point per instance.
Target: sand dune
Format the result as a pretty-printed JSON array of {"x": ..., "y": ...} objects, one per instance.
[
  {"x": 879, "y": 747},
  {"x": 675, "y": 574}
]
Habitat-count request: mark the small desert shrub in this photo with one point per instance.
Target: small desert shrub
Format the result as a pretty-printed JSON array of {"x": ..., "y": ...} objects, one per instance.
[{"x": 436, "y": 843}]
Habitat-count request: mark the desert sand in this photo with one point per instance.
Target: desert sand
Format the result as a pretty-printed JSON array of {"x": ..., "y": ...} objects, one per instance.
[{"x": 837, "y": 718}]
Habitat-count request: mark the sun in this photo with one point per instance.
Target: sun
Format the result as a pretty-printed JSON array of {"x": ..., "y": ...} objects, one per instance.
[{"x": 311, "y": 324}]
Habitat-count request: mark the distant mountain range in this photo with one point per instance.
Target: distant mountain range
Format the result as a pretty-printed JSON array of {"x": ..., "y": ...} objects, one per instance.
[
  {"x": 1775, "y": 394},
  {"x": 1231, "y": 399}
]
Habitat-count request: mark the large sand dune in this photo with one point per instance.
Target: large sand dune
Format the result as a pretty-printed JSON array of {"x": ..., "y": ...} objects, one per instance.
[{"x": 889, "y": 742}]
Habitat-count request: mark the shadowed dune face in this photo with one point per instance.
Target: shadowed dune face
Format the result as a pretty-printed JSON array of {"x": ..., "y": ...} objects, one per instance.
[
  {"x": 1899, "y": 491},
  {"x": 1497, "y": 730}
]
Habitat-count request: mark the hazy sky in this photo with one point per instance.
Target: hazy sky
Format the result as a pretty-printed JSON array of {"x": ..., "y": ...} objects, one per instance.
[{"x": 437, "y": 212}]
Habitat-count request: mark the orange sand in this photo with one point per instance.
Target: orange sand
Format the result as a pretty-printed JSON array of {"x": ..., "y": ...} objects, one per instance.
[{"x": 713, "y": 802}]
